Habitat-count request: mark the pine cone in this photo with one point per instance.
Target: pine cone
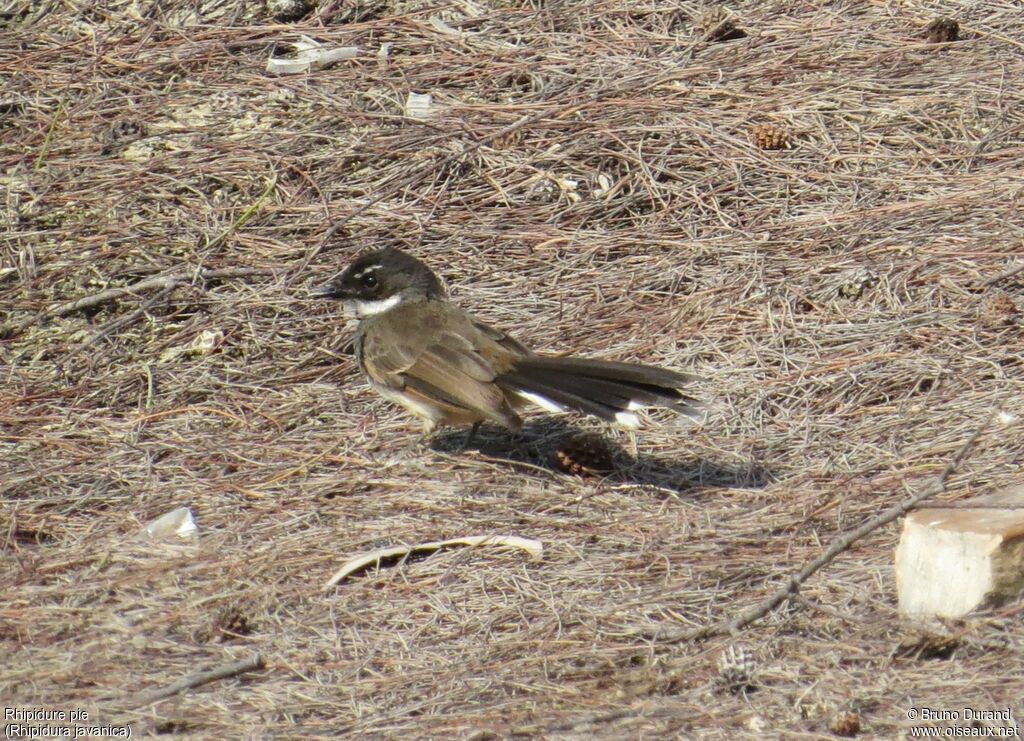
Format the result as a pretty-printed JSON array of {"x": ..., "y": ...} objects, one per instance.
[
  {"x": 288, "y": 11},
  {"x": 583, "y": 455},
  {"x": 998, "y": 310},
  {"x": 845, "y": 724},
  {"x": 121, "y": 134},
  {"x": 767, "y": 136},
  {"x": 854, "y": 282},
  {"x": 736, "y": 667},
  {"x": 943, "y": 30},
  {"x": 229, "y": 622},
  {"x": 718, "y": 24}
]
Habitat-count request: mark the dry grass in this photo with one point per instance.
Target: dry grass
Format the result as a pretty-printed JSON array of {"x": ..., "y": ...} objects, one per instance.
[{"x": 590, "y": 180}]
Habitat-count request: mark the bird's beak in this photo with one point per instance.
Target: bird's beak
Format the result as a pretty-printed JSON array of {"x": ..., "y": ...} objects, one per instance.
[{"x": 328, "y": 291}]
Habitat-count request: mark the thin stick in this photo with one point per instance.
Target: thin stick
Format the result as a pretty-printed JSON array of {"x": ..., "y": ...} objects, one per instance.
[
  {"x": 245, "y": 215},
  {"x": 838, "y": 545},
  {"x": 161, "y": 282},
  {"x": 49, "y": 136},
  {"x": 233, "y": 669},
  {"x": 1008, "y": 273},
  {"x": 123, "y": 321}
]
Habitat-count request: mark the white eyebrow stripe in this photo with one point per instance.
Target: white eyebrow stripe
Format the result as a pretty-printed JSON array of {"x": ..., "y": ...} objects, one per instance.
[{"x": 368, "y": 269}]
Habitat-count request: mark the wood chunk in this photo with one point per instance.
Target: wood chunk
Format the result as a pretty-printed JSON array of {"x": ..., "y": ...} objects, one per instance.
[{"x": 952, "y": 561}]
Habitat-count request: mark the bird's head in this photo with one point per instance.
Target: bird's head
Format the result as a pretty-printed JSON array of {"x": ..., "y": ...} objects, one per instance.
[{"x": 379, "y": 281}]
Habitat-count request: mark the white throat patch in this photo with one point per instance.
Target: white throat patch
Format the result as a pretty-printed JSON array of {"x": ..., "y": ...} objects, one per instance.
[{"x": 360, "y": 309}]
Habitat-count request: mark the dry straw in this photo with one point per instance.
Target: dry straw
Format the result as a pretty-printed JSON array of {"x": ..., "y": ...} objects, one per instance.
[{"x": 585, "y": 177}]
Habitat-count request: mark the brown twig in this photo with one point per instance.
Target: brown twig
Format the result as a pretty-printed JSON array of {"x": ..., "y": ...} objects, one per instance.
[
  {"x": 838, "y": 545},
  {"x": 123, "y": 321},
  {"x": 192, "y": 681},
  {"x": 165, "y": 283},
  {"x": 1008, "y": 273}
]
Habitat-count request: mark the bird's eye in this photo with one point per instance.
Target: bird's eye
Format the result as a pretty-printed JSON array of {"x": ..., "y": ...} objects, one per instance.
[{"x": 370, "y": 281}]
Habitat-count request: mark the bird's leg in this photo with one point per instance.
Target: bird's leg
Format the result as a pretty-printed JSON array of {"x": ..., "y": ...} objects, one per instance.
[
  {"x": 469, "y": 437},
  {"x": 425, "y": 441}
]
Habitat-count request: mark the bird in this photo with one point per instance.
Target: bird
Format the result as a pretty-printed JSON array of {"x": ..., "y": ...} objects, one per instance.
[{"x": 447, "y": 367}]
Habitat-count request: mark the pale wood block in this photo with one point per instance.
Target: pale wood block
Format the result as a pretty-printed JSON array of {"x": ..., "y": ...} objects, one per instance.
[{"x": 952, "y": 561}]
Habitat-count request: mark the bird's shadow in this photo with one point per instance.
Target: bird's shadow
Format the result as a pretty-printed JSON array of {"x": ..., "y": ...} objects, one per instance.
[{"x": 545, "y": 444}]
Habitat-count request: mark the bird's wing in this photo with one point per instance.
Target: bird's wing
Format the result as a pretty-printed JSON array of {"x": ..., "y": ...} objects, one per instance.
[
  {"x": 441, "y": 359},
  {"x": 502, "y": 339}
]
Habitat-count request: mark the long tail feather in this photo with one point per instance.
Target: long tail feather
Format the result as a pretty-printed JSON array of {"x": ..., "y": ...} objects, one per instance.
[{"x": 608, "y": 390}]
